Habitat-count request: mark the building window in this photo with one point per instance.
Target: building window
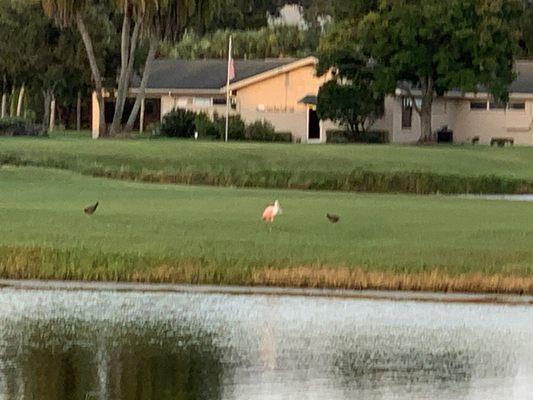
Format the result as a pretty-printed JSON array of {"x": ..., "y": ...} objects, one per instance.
[
  {"x": 202, "y": 102},
  {"x": 520, "y": 106},
  {"x": 494, "y": 105},
  {"x": 478, "y": 105},
  {"x": 219, "y": 101},
  {"x": 222, "y": 102},
  {"x": 407, "y": 113},
  {"x": 182, "y": 102}
]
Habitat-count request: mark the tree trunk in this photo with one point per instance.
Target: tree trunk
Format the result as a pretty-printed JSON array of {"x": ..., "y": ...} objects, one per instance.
[
  {"x": 128, "y": 59},
  {"x": 154, "y": 43},
  {"x": 52, "y": 124},
  {"x": 78, "y": 112},
  {"x": 46, "y": 116},
  {"x": 426, "y": 130},
  {"x": 141, "y": 118},
  {"x": 97, "y": 78},
  {"x": 12, "y": 100},
  {"x": 21, "y": 98},
  {"x": 4, "y": 105},
  {"x": 425, "y": 110}
]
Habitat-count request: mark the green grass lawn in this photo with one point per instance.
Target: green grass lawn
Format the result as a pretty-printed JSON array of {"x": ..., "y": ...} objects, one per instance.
[
  {"x": 369, "y": 168},
  {"x": 215, "y": 235}
]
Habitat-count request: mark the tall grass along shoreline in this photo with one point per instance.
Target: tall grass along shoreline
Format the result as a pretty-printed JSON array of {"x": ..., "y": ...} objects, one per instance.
[{"x": 78, "y": 265}]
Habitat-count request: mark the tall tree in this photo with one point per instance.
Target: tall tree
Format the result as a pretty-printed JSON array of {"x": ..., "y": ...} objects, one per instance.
[
  {"x": 266, "y": 42},
  {"x": 154, "y": 21},
  {"x": 431, "y": 46},
  {"x": 351, "y": 97}
]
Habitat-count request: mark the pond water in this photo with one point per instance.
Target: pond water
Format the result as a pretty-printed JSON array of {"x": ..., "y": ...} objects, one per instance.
[
  {"x": 110, "y": 345},
  {"x": 507, "y": 197}
]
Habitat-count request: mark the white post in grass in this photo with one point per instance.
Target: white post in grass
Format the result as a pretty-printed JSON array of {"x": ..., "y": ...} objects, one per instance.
[
  {"x": 231, "y": 75},
  {"x": 52, "y": 124},
  {"x": 141, "y": 118}
]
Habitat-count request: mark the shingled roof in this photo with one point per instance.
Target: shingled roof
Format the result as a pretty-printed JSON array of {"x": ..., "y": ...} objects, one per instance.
[
  {"x": 524, "y": 80},
  {"x": 206, "y": 74}
]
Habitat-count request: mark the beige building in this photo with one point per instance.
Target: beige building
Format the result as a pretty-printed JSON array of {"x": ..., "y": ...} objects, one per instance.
[
  {"x": 473, "y": 117},
  {"x": 283, "y": 91},
  {"x": 270, "y": 90}
]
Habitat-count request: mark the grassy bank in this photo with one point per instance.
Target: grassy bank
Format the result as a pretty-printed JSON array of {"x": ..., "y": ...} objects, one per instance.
[
  {"x": 169, "y": 233},
  {"x": 407, "y": 169}
]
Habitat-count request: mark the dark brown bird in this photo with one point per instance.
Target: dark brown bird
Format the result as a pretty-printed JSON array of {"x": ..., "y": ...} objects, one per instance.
[
  {"x": 333, "y": 218},
  {"x": 90, "y": 209}
]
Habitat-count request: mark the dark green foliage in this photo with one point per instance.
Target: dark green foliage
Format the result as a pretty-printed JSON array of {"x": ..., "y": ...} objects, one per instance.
[
  {"x": 179, "y": 123},
  {"x": 183, "y": 124},
  {"x": 268, "y": 42},
  {"x": 264, "y": 131},
  {"x": 435, "y": 46},
  {"x": 19, "y": 127},
  {"x": 351, "y": 98},
  {"x": 260, "y": 129},
  {"x": 372, "y": 136},
  {"x": 237, "y": 126},
  {"x": 206, "y": 128},
  {"x": 355, "y": 105}
]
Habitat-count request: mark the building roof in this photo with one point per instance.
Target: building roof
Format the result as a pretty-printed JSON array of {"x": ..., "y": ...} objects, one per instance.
[
  {"x": 207, "y": 74},
  {"x": 524, "y": 80},
  {"x": 309, "y": 99},
  {"x": 522, "y": 85}
]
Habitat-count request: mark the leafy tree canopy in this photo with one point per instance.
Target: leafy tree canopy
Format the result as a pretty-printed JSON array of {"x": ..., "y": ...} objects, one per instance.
[{"x": 432, "y": 46}]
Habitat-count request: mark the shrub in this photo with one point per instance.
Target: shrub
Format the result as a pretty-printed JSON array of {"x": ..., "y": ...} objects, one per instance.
[
  {"x": 19, "y": 127},
  {"x": 205, "y": 127},
  {"x": 153, "y": 129},
  {"x": 178, "y": 123},
  {"x": 260, "y": 131},
  {"x": 237, "y": 127},
  {"x": 342, "y": 136},
  {"x": 264, "y": 131},
  {"x": 283, "y": 137}
]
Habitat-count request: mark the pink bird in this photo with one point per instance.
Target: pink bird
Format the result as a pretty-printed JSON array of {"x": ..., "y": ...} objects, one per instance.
[{"x": 271, "y": 212}]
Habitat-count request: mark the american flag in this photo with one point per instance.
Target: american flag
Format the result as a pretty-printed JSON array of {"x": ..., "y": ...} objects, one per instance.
[{"x": 231, "y": 68}]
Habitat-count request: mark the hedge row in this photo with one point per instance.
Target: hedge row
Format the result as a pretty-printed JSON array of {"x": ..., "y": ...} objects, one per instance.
[
  {"x": 342, "y": 136},
  {"x": 19, "y": 127},
  {"x": 184, "y": 124}
]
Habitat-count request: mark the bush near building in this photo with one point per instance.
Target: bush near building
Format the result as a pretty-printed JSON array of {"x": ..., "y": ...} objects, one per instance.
[
  {"x": 19, "y": 127},
  {"x": 342, "y": 136},
  {"x": 178, "y": 123},
  {"x": 183, "y": 124}
]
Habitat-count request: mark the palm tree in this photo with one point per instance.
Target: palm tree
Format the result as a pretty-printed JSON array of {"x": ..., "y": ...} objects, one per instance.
[
  {"x": 154, "y": 20},
  {"x": 71, "y": 12}
]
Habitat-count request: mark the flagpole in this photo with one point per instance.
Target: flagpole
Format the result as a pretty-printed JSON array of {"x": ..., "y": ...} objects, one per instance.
[{"x": 227, "y": 90}]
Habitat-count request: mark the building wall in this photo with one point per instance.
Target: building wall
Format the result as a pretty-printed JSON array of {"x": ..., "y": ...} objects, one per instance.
[
  {"x": 444, "y": 114},
  {"x": 466, "y": 123},
  {"x": 274, "y": 99},
  {"x": 386, "y": 122},
  {"x": 277, "y": 100},
  {"x": 291, "y": 121},
  {"x": 169, "y": 102},
  {"x": 489, "y": 124}
]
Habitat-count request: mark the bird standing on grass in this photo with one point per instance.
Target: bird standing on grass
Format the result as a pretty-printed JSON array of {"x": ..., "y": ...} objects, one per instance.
[
  {"x": 271, "y": 212},
  {"x": 90, "y": 209},
  {"x": 333, "y": 218}
]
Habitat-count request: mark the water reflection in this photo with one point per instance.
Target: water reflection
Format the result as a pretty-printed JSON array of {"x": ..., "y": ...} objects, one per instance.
[{"x": 81, "y": 345}]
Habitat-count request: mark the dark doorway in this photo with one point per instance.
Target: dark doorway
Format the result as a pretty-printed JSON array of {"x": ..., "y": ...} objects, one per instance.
[
  {"x": 313, "y": 130},
  {"x": 152, "y": 112}
]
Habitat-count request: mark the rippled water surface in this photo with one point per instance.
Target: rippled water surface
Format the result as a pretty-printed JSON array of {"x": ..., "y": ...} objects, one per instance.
[{"x": 94, "y": 345}]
